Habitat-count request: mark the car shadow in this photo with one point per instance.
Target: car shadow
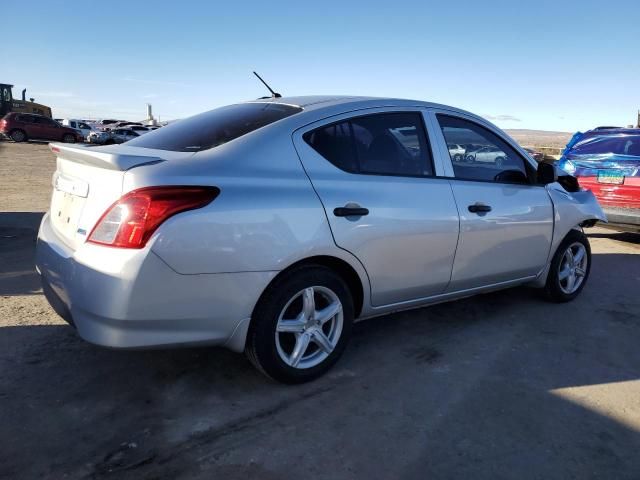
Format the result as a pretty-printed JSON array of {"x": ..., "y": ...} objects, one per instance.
[
  {"x": 18, "y": 233},
  {"x": 621, "y": 236},
  {"x": 467, "y": 389}
]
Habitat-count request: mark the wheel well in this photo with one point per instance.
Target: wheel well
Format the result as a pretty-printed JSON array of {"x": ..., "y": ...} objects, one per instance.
[
  {"x": 342, "y": 268},
  {"x": 18, "y": 130}
]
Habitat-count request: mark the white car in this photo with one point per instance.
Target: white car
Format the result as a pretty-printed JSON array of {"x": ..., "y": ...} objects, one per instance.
[
  {"x": 488, "y": 154},
  {"x": 456, "y": 151},
  {"x": 83, "y": 127}
]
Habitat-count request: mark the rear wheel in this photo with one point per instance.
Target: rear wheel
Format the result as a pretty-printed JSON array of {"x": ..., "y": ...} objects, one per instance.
[
  {"x": 301, "y": 325},
  {"x": 570, "y": 268},
  {"x": 68, "y": 138},
  {"x": 18, "y": 136}
]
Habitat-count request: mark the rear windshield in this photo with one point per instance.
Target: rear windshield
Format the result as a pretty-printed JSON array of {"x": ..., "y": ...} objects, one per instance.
[
  {"x": 214, "y": 128},
  {"x": 608, "y": 145}
]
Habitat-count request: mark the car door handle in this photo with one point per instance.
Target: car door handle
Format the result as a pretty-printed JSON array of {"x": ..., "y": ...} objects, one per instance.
[
  {"x": 350, "y": 211},
  {"x": 479, "y": 208}
]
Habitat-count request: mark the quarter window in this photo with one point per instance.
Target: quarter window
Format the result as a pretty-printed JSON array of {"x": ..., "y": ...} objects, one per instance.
[
  {"x": 478, "y": 154},
  {"x": 380, "y": 144}
]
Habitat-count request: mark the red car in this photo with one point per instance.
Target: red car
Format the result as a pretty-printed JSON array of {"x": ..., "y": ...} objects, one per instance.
[
  {"x": 607, "y": 162},
  {"x": 21, "y": 127}
]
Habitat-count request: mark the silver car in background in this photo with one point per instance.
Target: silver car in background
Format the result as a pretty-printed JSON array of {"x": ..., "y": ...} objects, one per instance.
[{"x": 271, "y": 226}]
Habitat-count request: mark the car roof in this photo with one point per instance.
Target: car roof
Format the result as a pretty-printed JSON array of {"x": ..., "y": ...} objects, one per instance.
[
  {"x": 348, "y": 103},
  {"x": 318, "y": 107},
  {"x": 611, "y": 131}
]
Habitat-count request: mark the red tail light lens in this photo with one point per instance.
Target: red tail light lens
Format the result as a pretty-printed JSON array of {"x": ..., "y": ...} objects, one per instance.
[{"x": 130, "y": 222}]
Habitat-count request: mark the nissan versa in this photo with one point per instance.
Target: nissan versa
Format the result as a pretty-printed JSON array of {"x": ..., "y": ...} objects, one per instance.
[{"x": 270, "y": 226}]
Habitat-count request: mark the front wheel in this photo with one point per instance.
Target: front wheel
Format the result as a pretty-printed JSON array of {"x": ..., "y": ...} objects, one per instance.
[
  {"x": 301, "y": 325},
  {"x": 570, "y": 268},
  {"x": 68, "y": 138}
]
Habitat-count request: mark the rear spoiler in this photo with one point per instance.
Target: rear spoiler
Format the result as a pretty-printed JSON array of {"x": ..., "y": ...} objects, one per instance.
[{"x": 91, "y": 156}]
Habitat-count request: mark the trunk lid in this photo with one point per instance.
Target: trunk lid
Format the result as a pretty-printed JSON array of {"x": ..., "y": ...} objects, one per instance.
[{"x": 87, "y": 181}]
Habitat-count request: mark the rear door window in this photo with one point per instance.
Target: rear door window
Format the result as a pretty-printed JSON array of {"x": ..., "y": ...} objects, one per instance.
[
  {"x": 379, "y": 144},
  {"x": 214, "y": 128}
]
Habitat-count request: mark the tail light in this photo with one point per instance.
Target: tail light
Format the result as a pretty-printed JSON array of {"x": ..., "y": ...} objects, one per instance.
[{"x": 130, "y": 222}]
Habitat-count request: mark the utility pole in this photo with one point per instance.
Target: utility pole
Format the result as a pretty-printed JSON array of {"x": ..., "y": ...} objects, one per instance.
[{"x": 638, "y": 124}]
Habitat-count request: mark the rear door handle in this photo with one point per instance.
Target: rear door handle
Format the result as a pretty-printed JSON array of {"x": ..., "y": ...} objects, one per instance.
[
  {"x": 479, "y": 208},
  {"x": 350, "y": 211}
]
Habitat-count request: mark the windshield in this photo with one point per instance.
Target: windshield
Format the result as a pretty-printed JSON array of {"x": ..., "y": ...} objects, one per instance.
[
  {"x": 214, "y": 128},
  {"x": 608, "y": 145}
]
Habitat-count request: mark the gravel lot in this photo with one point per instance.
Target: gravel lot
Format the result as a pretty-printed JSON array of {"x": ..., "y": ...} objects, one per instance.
[{"x": 503, "y": 385}]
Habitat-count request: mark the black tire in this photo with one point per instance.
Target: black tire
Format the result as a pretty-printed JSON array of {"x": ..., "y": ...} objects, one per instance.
[
  {"x": 553, "y": 289},
  {"x": 18, "y": 135},
  {"x": 261, "y": 347},
  {"x": 69, "y": 138},
  {"x": 109, "y": 142}
]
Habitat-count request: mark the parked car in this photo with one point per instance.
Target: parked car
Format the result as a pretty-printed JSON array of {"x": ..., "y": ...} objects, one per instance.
[
  {"x": 21, "y": 127},
  {"x": 112, "y": 136},
  {"x": 121, "y": 135},
  {"x": 100, "y": 137},
  {"x": 123, "y": 124},
  {"x": 270, "y": 226},
  {"x": 84, "y": 127},
  {"x": 607, "y": 162},
  {"x": 140, "y": 129},
  {"x": 487, "y": 154},
  {"x": 536, "y": 155},
  {"x": 456, "y": 151}
]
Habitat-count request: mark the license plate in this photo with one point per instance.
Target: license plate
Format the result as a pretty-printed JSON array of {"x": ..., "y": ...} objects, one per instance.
[{"x": 610, "y": 177}]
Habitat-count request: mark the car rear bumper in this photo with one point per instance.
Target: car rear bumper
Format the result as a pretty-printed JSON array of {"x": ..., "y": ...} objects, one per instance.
[{"x": 132, "y": 299}]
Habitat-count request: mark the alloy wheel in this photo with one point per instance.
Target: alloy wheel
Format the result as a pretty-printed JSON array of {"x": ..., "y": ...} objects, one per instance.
[
  {"x": 573, "y": 268},
  {"x": 309, "y": 327}
]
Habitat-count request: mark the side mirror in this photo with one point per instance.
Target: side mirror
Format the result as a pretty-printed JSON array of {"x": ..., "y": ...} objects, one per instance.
[
  {"x": 511, "y": 176},
  {"x": 546, "y": 173}
]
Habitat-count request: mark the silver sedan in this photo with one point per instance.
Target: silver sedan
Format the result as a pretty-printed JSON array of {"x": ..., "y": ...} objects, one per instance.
[{"x": 270, "y": 226}]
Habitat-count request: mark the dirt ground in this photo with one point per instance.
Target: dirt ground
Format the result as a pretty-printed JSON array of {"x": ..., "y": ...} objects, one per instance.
[{"x": 502, "y": 385}]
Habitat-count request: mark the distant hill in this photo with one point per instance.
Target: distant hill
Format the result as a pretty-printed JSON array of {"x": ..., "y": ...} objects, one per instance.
[{"x": 539, "y": 138}]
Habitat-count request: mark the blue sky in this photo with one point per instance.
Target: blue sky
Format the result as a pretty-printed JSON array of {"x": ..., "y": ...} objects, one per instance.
[{"x": 552, "y": 65}]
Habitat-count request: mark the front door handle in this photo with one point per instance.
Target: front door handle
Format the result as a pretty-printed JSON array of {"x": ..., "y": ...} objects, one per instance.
[
  {"x": 479, "y": 208},
  {"x": 349, "y": 211}
]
